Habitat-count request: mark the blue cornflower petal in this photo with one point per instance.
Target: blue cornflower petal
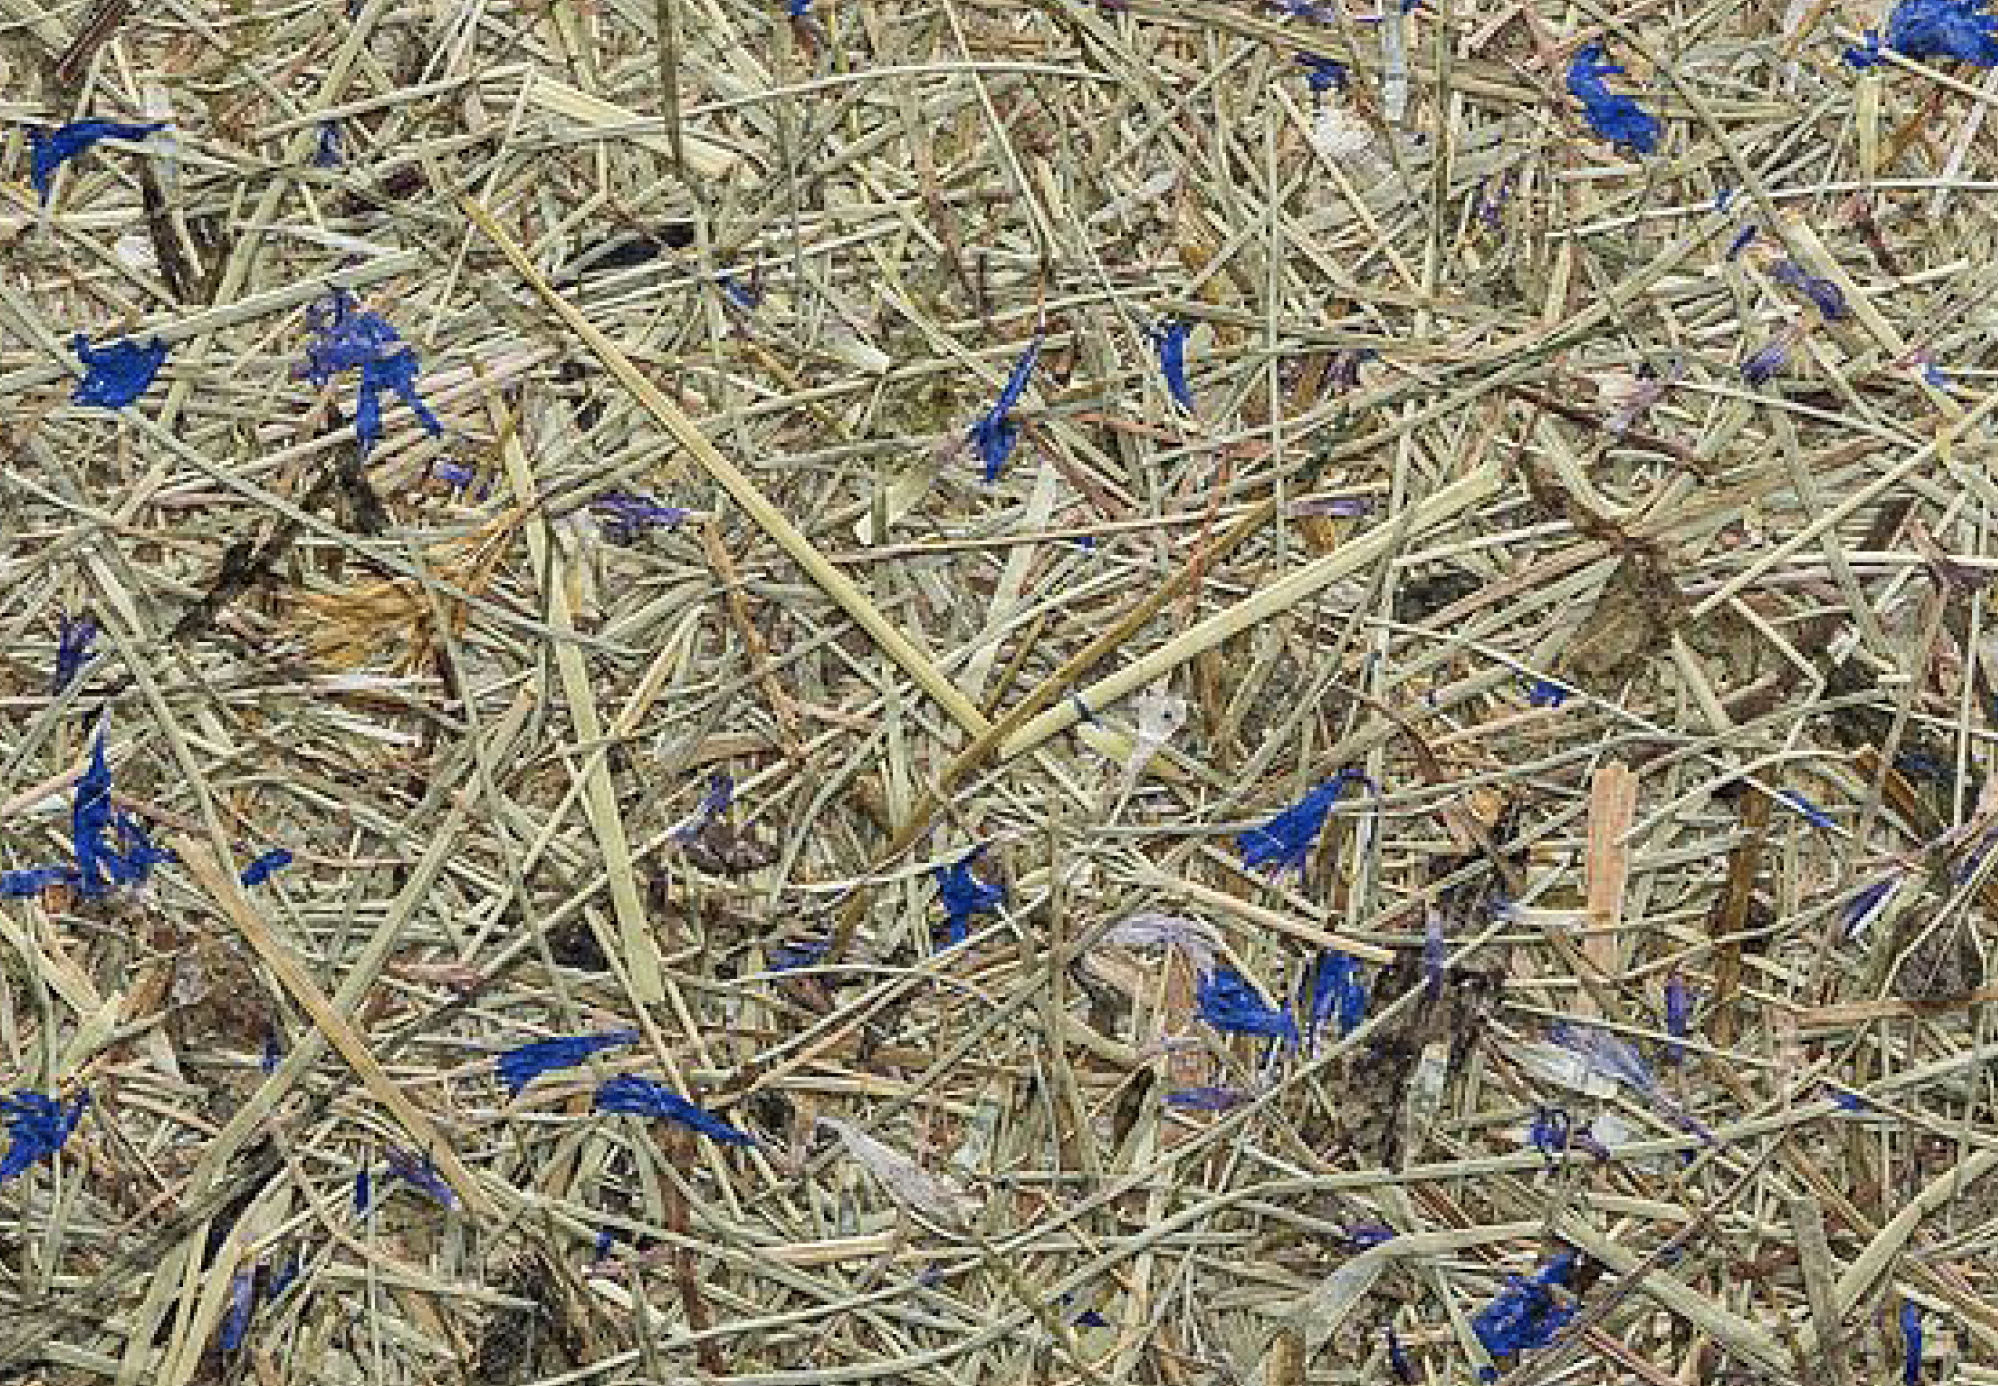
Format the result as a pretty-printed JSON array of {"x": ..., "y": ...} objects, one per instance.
[
  {"x": 714, "y": 802},
  {"x": 344, "y": 338},
  {"x": 1525, "y": 1314},
  {"x": 1016, "y": 381},
  {"x": 1911, "y": 1342},
  {"x": 1286, "y": 840},
  {"x": 273, "y": 1051},
  {"x": 1976, "y": 855},
  {"x": 644, "y": 1097},
  {"x": 327, "y": 155},
  {"x": 1322, "y": 74},
  {"x": 1337, "y": 991},
  {"x": 1205, "y": 1099},
  {"x": 242, "y": 1299},
  {"x": 1813, "y": 815},
  {"x": 964, "y": 895},
  {"x": 1614, "y": 117},
  {"x": 1172, "y": 361},
  {"x": 1620, "y": 120},
  {"x": 98, "y": 866},
  {"x": 54, "y": 148},
  {"x": 397, "y": 373},
  {"x": 1547, "y": 693},
  {"x": 1586, "y": 71},
  {"x": 363, "y": 1191},
  {"x": 1435, "y": 950},
  {"x": 522, "y": 1065},
  {"x": 72, "y": 651},
  {"x": 259, "y": 871},
  {"x": 1230, "y": 1004},
  {"x": 368, "y": 414},
  {"x": 281, "y": 1279},
  {"x": 1610, "y": 1055},
  {"x": 719, "y": 795},
  {"x": 785, "y": 957},
  {"x": 37, "y": 1127},
  {"x": 995, "y": 434},
  {"x": 1867, "y": 54},
  {"x": 1088, "y": 1318},
  {"x": 348, "y": 338},
  {"x": 1404, "y": 1370},
  {"x": 20, "y": 885},
  {"x": 993, "y": 437},
  {"x": 1679, "y": 999},
  {"x": 1944, "y": 29},
  {"x": 138, "y": 854},
  {"x": 115, "y": 375},
  {"x": 625, "y": 515},
  {"x": 1550, "y": 1131},
  {"x": 1741, "y": 240},
  {"x": 1917, "y": 765},
  {"x": 1867, "y": 902},
  {"x": 1828, "y": 297},
  {"x": 1757, "y": 369},
  {"x": 418, "y": 1172}
]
